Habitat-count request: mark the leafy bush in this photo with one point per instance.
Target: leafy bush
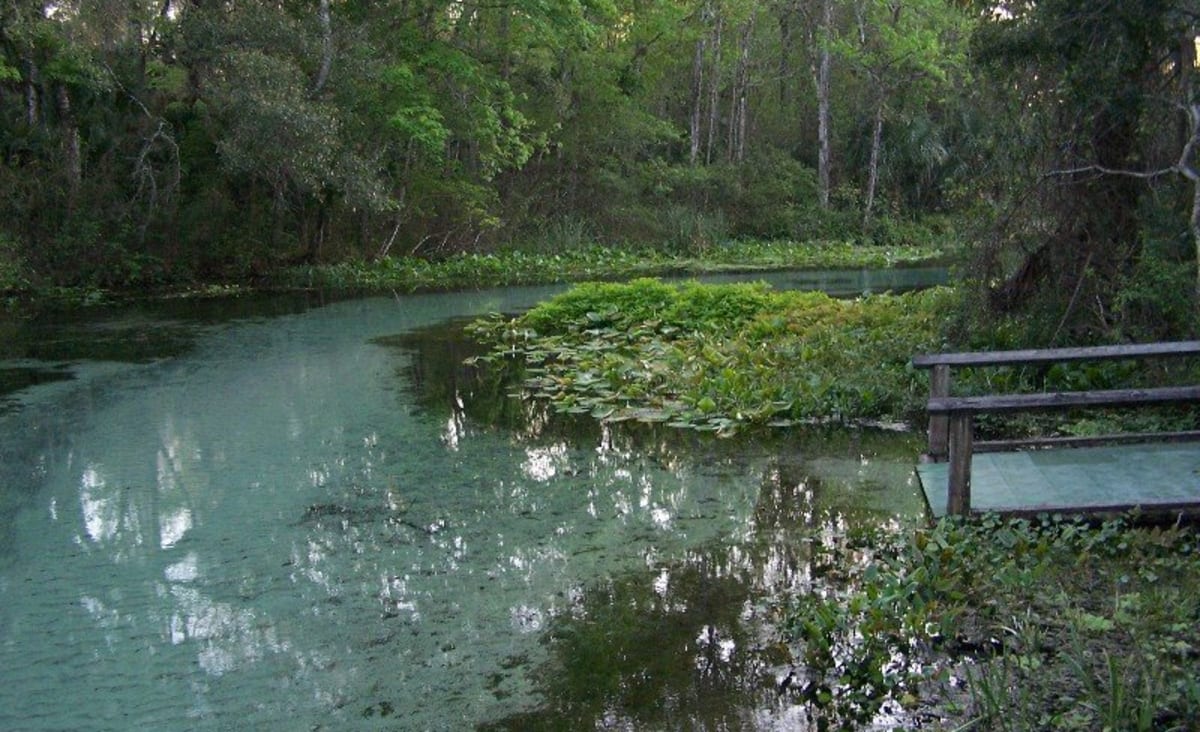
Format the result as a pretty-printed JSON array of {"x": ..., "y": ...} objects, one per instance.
[
  {"x": 771, "y": 190},
  {"x": 1157, "y": 301},
  {"x": 562, "y": 234}
]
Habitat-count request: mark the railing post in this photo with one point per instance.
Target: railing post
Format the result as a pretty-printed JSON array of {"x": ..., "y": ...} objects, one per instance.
[
  {"x": 939, "y": 386},
  {"x": 961, "y": 445}
]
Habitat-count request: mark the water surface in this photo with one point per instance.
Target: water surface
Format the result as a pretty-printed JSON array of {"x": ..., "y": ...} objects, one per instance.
[{"x": 304, "y": 515}]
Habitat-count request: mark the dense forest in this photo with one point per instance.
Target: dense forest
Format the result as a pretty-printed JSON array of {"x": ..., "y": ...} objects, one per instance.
[{"x": 154, "y": 141}]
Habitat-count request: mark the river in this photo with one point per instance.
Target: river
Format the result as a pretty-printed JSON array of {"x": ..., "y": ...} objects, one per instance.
[{"x": 294, "y": 514}]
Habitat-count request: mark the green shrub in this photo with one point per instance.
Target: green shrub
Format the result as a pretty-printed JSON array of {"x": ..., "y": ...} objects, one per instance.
[{"x": 1157, "y": 300}]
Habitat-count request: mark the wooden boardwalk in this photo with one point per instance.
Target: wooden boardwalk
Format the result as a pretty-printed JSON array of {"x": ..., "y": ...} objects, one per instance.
[{"x": 1155, "y": 477}]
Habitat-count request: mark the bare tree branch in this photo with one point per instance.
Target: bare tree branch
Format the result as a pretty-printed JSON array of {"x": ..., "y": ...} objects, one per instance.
[
  {"x": 1141, "y": 174},
  {"x": 1184, "y": 167}
]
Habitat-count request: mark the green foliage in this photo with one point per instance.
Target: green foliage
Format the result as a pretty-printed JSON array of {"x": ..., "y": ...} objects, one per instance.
[
  {"x": 229, "y": 139},
  {"x": 719, "y": 358},
  {"x": 12, "y": 268},
  {"x": 691, "y": 208},
  {"x": 1157, "y": 300},
  {"x": 1033, "y": 615},
  {"x": 224, "y": 140},
  {"x": 561, "y": 234},
  {"x": 575, "y": 259},
  {"x": 416, "y": 119},
  {"x": 1099, "y": 108}
]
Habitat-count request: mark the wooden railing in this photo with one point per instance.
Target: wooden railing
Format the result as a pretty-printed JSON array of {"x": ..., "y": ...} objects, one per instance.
[{"x": 952, "y": 419}]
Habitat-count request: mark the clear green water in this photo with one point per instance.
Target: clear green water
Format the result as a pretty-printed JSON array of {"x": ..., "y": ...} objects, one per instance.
[{"x": 281, "y": 515}]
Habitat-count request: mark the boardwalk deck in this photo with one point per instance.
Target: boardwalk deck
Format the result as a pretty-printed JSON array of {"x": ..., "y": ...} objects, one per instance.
[{"x": 1155, "y": 477}]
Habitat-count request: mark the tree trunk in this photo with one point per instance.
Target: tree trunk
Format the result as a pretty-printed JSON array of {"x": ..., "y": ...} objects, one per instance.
[
  {"x": 326, "y": 47},
  {"x": 1191, "y": 138},
  {"x": 787, "y": 45},
  {"x": 737, "y": 102},
  {"x": 1195, "y": 227},
  {"x": 744, "y": 97},
  {"x": 697, "y": 101},
  {"x": 824, "y": 69},
  {"x": 316, "y": 238},
  {"x": 505, "y": 44},
  {"x": 1192, "y": 172},
  {"x": 714, "y": 89},
  {"x": 72, "y": 155},
  {"x": 32, "y": 111},
  {"x": 873, "y": 166},
  {"x": 1187, "y": 75}
]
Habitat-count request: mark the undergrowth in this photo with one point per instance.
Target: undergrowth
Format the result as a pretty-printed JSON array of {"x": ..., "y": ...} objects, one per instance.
[{"x": 1009, "y": 625}]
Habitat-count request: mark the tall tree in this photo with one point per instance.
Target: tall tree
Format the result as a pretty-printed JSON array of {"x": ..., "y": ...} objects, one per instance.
[
  {"x": 823, "y": 77},
  {"x": 904, "y": 47}
]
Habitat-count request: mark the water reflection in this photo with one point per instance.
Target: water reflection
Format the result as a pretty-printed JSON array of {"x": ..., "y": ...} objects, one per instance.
[
  {"x": 692, "y": 642},
  {"x": 688, "y": 640},
  {"x": 298, "y": 527}
]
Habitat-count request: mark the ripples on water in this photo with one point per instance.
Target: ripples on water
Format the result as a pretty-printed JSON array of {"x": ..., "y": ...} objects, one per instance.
[{"x": 303, "y": 521}]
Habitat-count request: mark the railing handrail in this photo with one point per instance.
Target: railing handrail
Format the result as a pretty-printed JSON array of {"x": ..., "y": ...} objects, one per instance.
[
  {"x": 1056, "y": 355},
  {"x": 951, "y": 419},
  {"x": 995, "y": 403}
]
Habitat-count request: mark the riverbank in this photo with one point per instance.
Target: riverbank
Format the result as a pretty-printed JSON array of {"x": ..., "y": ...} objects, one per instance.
[
  {"x": 516, "y": 267},
  {"x": 503, "y": 268}
]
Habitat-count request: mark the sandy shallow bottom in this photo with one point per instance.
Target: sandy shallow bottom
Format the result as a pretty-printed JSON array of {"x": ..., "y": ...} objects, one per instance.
[{"x": 271, "y": 531}]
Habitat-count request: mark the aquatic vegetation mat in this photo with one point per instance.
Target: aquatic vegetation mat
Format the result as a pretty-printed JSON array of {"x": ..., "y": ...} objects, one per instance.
[
  {"x": 517, "y": 267},
  {"x": 719, "y": 357}
]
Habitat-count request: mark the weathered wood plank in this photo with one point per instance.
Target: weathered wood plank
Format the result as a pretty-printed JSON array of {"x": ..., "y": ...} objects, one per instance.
[
  {"x": 962, "y": 427},
  {"x": 951, "y": 422},
  {"x": 1043, "y": 443},
  {"x": 939, "y": 424},
  {"x": 1157, "y": 478},
  {"x": 1055, "y": 355},
  {"x": 996, "y": 403}
]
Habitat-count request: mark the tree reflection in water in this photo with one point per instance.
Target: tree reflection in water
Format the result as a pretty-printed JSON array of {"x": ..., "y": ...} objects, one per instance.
[{"x": 691, "y": 641}]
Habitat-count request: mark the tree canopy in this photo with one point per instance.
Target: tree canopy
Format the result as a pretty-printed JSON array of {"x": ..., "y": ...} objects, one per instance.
[{"x": 150, "y": 141}]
